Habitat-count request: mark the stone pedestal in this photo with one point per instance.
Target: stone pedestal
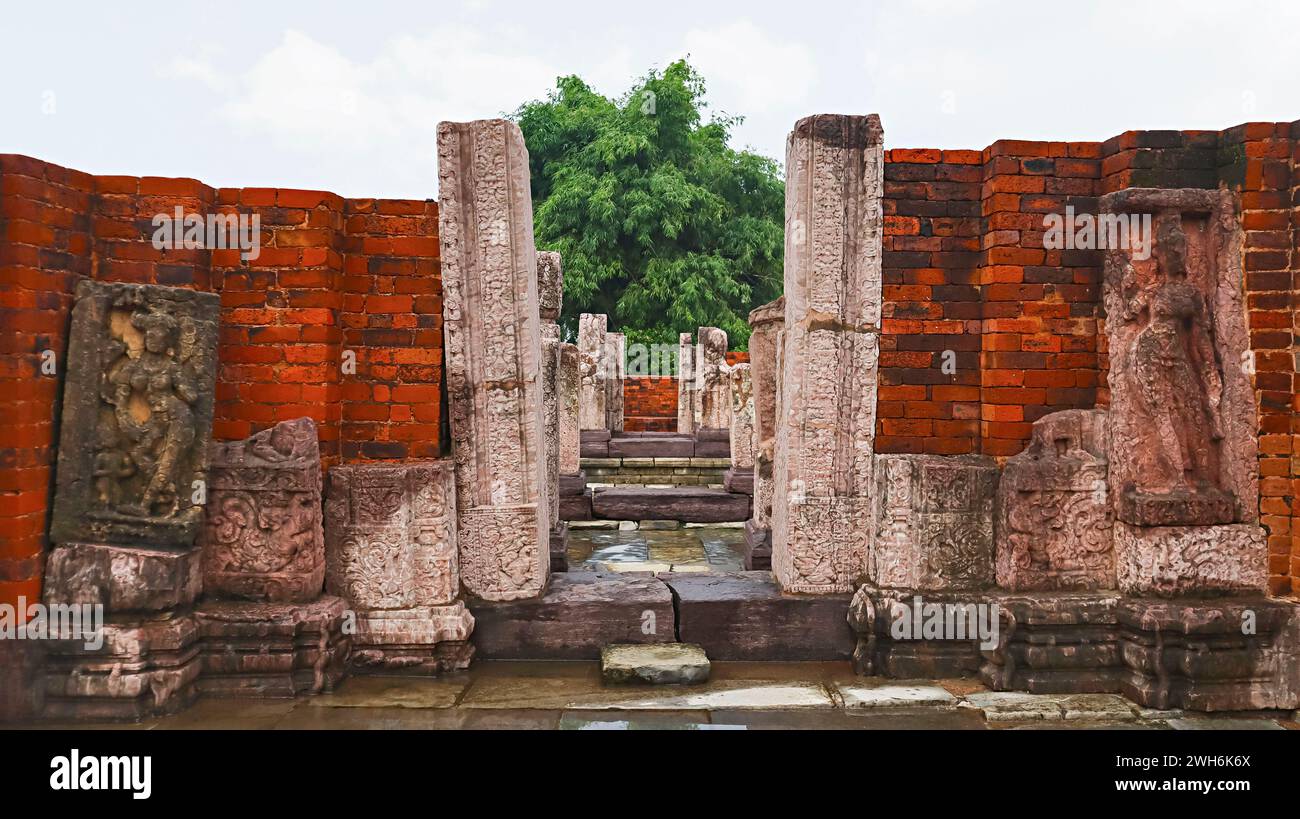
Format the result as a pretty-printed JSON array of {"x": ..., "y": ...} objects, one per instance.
[
  {"x": 1183, "y": 468},
  {"x": 137, "y": 416},
  {"x": 687, "y": 402},
  {"x": 821, "y": 512},
  {"x": 560, "y": 547},
  {"x": 934, "y": 522},
  {"x": 758, "y": 546},
  {"x": 593, "y": 391},
  {"x": 391, "y": 553},
  {"x": 261, "y": 649},
  {"x": 263, "y": 539},
  {"x": 765, "y": 325},
  {"x": 1054, "y": 526},
  {"x": 147, "y": 666},
  {"x": 121, "y": 578},
  {"x": 493, "y": 351},
  {"x": 1055, "y": 643}
]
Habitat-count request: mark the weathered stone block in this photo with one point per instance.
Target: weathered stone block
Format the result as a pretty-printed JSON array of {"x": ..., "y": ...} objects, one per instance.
[
  {"x": 551, "y": 416},
  {"x": 427, "y": 640},
  {"x": 1054, "y": 526},
  {"x": 550, "y": 285},
  {"x": 740, "y": 481},
  {"x": 593, "y": 391},
  {"x": 22, "y": 679},
  {"x": 683, "y": 503},
  {"x": 714, "y": 383},
  {"x": 742, "y": 418},
  {"x": 1173, "y": 561},
  {"x": 122, "y": 579},
  {"x": 615, "y": 363},
  {"x": 263, "y": 537},
  {"x": 682, "y": 447},
  {"x": 935, "y": 522},
  {"x": 687, "y": 395},
  {"x": 567, "y": 389},
  {"x": 666, "y": 664},
  {"x": 137, "y": 415}
]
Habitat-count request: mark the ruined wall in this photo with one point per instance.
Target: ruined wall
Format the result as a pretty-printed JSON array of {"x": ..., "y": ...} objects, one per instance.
[
  {"x": 333, "y": 275},
  {"x": 650, "y": 402}
]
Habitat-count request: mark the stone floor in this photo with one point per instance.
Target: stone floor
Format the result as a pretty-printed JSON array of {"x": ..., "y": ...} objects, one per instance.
[
  {"x": 739, "y": 696},
  {"x": 685, "y": 549}
]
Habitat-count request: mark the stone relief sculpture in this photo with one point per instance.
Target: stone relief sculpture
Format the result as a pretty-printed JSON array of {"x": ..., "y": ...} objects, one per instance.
[{"x": 137, "y": 415}]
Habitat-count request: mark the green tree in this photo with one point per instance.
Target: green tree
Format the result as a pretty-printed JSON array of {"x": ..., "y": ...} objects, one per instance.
[{"x": 661, "y": 225}]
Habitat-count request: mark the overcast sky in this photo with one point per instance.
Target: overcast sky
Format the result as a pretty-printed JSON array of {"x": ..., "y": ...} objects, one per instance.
[{"x": 346, "y": 96}]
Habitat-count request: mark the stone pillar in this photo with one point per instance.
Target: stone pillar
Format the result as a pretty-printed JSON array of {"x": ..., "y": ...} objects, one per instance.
[
  {"x": 392, "y": 554},
  {"x": 740, "y": 477},
  {"x": 686, "y": 392},
  {"x": 131, "y": 483},
  {"x": 567, "y": 388},
  {"x": 550, "y": 287},
  {"x": 765, "y": 325},
  {"x": 1054, "y": 527},
  {"x": 591, "y": 355},
  {"x": 494, "y": 367},
  {"x": 821, "y": 511},
  {"x": 714, "y": 399},
  {"x": 615, "y": 362},
  {"x": 1183, "y": 469}
]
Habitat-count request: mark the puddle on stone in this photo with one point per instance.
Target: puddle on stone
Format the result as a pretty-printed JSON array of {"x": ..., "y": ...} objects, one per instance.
[{"x": 696, "y": 549}]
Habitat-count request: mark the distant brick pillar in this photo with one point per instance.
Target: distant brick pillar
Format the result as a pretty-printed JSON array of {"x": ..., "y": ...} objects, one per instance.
[
  {"x": 494, "y": 370},
  {"x": 821, "y": 518}
]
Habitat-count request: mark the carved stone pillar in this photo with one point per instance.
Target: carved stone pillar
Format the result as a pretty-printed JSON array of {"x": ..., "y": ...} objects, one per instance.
[
  {"x": 714, "y": 398},
  {"x": 567, "y": 388},
  {"x": 592, "y": 412},
  {"x": 1183, "y": 468},
  {"x": 392, "y": 553},
  {"x": 821, "y": 511},
  {"x": 686, "y": 386},
  {"x": 615, "y": 361},
  {"x": 550, "y": 287},
  {"x": 740, "y": 477},
  {"x": 494, "y": 367},
  {"x": 765, "y": 324},
  {"x": 1054, "y": 528}
]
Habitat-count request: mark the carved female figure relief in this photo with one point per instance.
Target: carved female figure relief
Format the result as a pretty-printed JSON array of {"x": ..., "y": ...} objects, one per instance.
[{"x": 1175, "y": 371}]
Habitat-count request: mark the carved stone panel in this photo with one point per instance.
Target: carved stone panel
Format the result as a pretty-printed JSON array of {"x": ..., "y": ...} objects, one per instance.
[
  {"x": 263, "y": 538},
  {"x": 686, "y": 384},
  {"x": 1054, "y": 530},
  {"x": 501, "y": 558},
  {"x": 826, "y": 416},
  {"x": 390, "y": 535},
  {"x": 591, "y": 368},
  {"x": 742, "y": 418},
  {"x": 550, "y": 285},
  {"x": 137, "y": 415},
  {"x": 1183, "y": 407},
  {"x": 1179, "y": 561},
  {"x": 765, "y": 326},
  {"x": 493, "y": 338},
  {"x": 567, "y": 388},
  {"x": 934, "y": 522},
  {"x": 714, "y": 386}
]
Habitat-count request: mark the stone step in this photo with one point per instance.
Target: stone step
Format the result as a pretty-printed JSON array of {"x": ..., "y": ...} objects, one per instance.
[
  {"x": 686, "y": 504},
  {"x": 665, "y": 664}
]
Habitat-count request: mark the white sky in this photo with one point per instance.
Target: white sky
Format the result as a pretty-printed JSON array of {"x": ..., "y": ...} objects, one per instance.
[{"x": 346, "y": 96}]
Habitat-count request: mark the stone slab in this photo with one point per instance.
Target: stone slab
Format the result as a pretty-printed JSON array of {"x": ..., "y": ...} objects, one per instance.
[
  {"x": 744, "y": 616},
  {"x": 905, "y": 694},
  {"x": 122, "y": 578},
  {"x": 662, "y": 664},
  {"x": 687, "y": 504},
  {"x": 713, "y": 449},
  {"x": 573, "y": 485},
  {"x": 621, "y": 447},
  {"x": 580, "y": 613},
  {"x": 739, "y": 481},
  {"x": 576, "y": 507}
]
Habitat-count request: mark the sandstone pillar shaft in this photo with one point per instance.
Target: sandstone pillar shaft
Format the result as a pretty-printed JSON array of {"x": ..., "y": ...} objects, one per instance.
[
  {"x": 765, "y": 323},
  {"x": 591, "y": 355},
  {"x": 714, "y": 400},
  {"x": 686, "y": 400},
  {"x": 567, "y": 389},
  {"x": 494, "y": 358},
  {"x": 742, "y": 418},
  {"x": 821, "y": 519},
  {"x": 615, "y": 362}
]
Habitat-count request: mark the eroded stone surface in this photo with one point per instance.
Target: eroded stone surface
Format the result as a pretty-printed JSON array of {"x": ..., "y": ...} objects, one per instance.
[
  {"x": 765, "y": 324},
  {"x": 137, "y": 415},
  {"x": 1172, "y": 561},
  {"x": 615, "y": 364},
  {"x": 551, "y": 419},
  {"x": 263, "y": 537},
  {"x": 493, "y": 348},
  {"x": 821, "y": 512},
  {"x": 567, "y": 388},
  {"x": 1054, "y": 527},
  {"x": 121, "y": 578},
  {"x": 593, "y": 392},
  {"x": 550, "y": 285},
  {"x": 664, "y": 664},
  {"x": 712, "y": 380},
  {"x": 687, "y": 402},
  {"x": 742, "y": 418},
  {"x": 935, "y": 522}
]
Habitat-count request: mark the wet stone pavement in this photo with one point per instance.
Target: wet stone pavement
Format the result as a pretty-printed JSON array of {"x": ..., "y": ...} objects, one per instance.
[
  {"x": 739, "y": 696},
  {"x": 686, "y": 549}
]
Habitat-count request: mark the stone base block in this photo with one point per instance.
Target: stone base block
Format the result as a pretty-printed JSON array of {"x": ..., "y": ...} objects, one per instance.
[
  {"x": 576, "y": 507},
  {"x": 712, "y": 449},
  {"x": 1180, "y": 561},
  {"x": 656, "y": 447},
  {"x": 893, "y": 639},
  {"x": 22, "y": 679},
  {"x": 740, "y": 481},
  {"x": 560, "y": 547},
  {"x": 428, "y": 640},
  {"x": 573, "y": 485},
  {"x": 758, "y": 548},
  {"x": 593, "y": 443},
  {"x": 123, "y": 578},
  {"x": 146, "y": 667},
  {"x": 713, "y": 434},
  {"x": 272, "y": 649},
  {"x": 686, "y": 504},
  {"x": 1055, "y": 643},
  {"x": 581, "y": 613},
  {"x": 744, "y": 616}
]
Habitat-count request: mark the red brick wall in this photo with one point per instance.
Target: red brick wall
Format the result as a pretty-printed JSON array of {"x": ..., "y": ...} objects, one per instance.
[
  {"x": 333, "y": 276},
  {"x": 650, "y": 404}
]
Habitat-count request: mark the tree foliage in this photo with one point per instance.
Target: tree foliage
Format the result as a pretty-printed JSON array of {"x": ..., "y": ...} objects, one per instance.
[{"x": 660, "y": 224}]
